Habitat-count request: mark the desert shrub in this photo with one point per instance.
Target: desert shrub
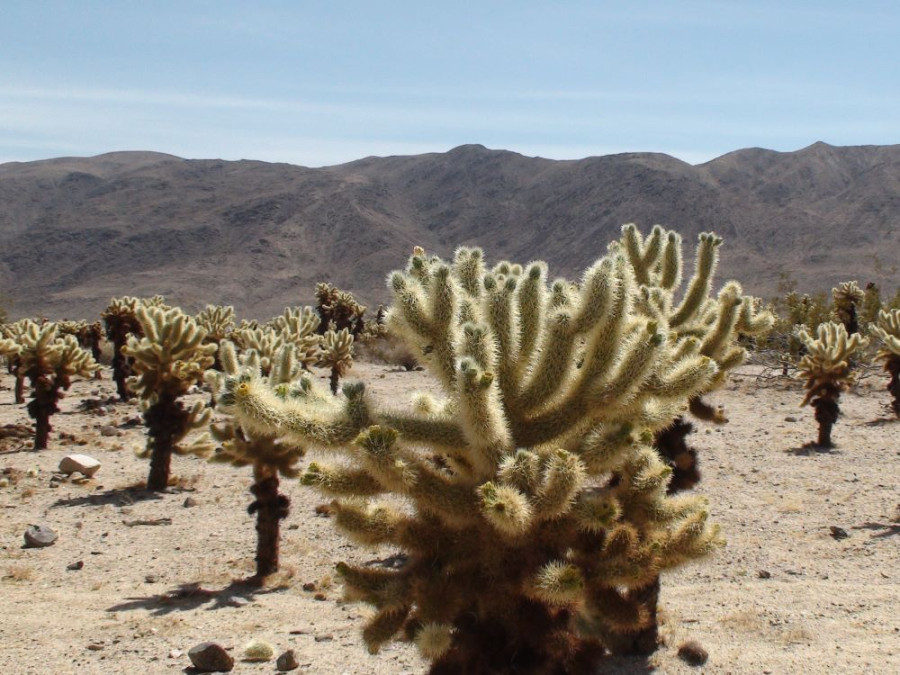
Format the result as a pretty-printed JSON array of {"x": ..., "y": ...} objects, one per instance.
[{"x": 529, "y": 501}]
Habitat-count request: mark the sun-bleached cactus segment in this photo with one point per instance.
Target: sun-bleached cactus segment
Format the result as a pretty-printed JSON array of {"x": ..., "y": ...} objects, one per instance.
[{"x": 529, "y": 502}]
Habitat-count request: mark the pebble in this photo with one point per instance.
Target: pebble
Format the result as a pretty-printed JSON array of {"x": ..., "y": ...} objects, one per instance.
[
  {"x": 190, "y": 502},
  {"x": 693, "y": 653},
  {"x": 287, "y": 661},
  {"x": 75, "y": 566},
  {"x": 109, "y": 430},
  {"x": 210, "y": 657},
  {"x": 790, "y": 418},
  {"x": 39, "y": 536},
  {"x": 324, "y": 638},
  {"x": 84, "y": 464},
  {"x": 764, "y": 574},
  {"x": 838, "y": 532}
]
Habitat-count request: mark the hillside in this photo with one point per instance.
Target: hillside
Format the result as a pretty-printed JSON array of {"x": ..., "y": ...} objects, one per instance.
[{"x": 75, "y": 231}]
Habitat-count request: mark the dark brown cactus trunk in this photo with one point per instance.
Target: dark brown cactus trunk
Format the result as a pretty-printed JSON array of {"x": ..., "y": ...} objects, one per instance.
[
  {"x": 20, "y": 387},
  {"x": 644, "y": 641},
  {"x": 166, "y": 421},
  {"x": 270, "y": 508},
  {"x": 892, "y": 366},
  {"x": 40, "y": 408},
  {"x": 827, "y": 413},
  {"x": 334, "y": 380},
  {"x": 671, "y": 443},
  {"x": 533, "y": 640}
]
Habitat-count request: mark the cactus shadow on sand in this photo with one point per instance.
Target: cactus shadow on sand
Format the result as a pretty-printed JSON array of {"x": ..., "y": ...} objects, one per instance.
[
  {"x": 193, "y": 595},
  {"x": 115, "y": 497},
  {"x": 880, "y": 530},
  {"x": 811, "y": 448}
]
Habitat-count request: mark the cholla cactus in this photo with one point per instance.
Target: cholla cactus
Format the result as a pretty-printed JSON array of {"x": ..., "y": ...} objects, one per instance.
[
  {"x": 532, "y": 506},
  {"x": 298, "y": 326},
  {"x": 49, "y": 362},
  {"x": 168, "y": 360},
  {"x": 269, "y": 456},
  {"x": 120, "y": 318},
  {"x": 826, "y": 367},
  {"x": 218, "y": 322},
  {"x": 887, "y": 331},
  {"x": 14, "y": 331},
  {"x": 336, "y": 354},
  {"x": 848, "y": 297},
  {"x": 338, "y": 310}
]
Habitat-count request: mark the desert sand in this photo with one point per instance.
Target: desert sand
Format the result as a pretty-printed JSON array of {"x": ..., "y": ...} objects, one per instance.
[{"x": 154, "y": 574}]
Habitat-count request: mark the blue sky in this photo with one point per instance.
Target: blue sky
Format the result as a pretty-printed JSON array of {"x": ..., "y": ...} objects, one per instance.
[{"x": 317, "y": 83}]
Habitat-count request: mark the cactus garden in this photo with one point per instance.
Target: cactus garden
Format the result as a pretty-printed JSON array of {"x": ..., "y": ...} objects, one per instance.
[{"x": 530, "y": 500}]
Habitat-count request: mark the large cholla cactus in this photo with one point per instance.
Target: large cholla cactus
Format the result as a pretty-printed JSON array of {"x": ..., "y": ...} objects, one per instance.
[
  {"x": 532, "y": 506},
  {"x": 826, "y": 367},
  {"x": 269, "y": 456},
  {"x": 49, "y": 362},
  {"x": 848, "y": 298},
  {"x": 887, "y": 331},
  {"x": 120, "y": 318},
  {"x": 168, "y": 361}
]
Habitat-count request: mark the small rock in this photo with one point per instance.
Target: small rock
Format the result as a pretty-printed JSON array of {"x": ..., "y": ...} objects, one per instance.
[
  {"x": 320, "y": 597},
  {"x": 175, "y": 653},
  {"x": 693, "y": 653},
  {"x": 790, "y": 418},
  {"x": 309, "y": 586},
  {"x": 81, "y": 463},
  {"x": 258, "y": 650},
  {"x": 39, "y": 536},
  {"x": 209, "y": 657},
  {"x": 190, "y": 502},
  {"x": 75, "y": 566},
  {"x": 236, "y": 601},
  {"x": 151, "y": 579},
  {"x": 764, "y": 574},
  {"x": 838, "y": 532},
  {"x": 324, "y": 638},
  {"x": 109, "y": 430},
  {"x": 287, "y": 661},
  {"x": 95, "y": 646}
]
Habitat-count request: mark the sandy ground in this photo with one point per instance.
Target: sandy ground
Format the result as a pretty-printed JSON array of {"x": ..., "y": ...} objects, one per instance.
[{"x": 785, "y": 596}]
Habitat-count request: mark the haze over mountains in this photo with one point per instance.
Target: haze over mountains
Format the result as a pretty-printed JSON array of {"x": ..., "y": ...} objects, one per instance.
[{"x": 76, "y": 231}]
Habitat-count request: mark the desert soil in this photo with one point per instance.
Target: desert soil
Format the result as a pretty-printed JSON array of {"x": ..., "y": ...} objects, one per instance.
[{"x": 157, "y": 575}]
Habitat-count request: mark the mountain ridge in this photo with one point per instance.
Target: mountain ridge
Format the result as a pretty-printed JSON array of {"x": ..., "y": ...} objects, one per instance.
[{"x": 76, "y": 231}]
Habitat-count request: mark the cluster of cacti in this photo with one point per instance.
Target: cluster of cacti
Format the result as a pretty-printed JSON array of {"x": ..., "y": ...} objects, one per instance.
[
  {"x": 167, "y": 361},
  {"x": 887, "y": 331},
  {"x": 338, "y": 310},
  {"x": 536, "y": 517},
  {"x": 826, "y": 368},
  {"x": 269, "y": 456},
  {"x": 49, "y": 362}
]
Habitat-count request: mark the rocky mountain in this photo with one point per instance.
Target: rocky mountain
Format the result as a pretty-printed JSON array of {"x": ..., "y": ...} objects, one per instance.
[{"x": 76, "y": 231}]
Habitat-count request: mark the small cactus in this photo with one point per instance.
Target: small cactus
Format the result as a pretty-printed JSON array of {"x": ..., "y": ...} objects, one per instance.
[
  {"x": 848, "y": 299},
  {"x": 168, "y": 360},
  {"x": 336, "y": 354},
  {"x": 218, "y": 322},
  {"x": 826, "y": 368},
  {"x": 120, "y": 318},
  {"x": 49, "y": 362},
  {"x": 887, "y": 331}
]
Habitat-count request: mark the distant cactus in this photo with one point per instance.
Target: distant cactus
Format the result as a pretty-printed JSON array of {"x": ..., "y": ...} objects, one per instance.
[
  {"x": 826, "y": 368},
  {"x": 299, "y": 326},
  {"x": 535, "y": 513},
  {"x": 13, "y": 331},
  {"x": 338, "y": 310},
  {"x": 336, "y": 354},
  {"x": 887, "y": 331},
  {"x": 120, "y": 318},
  {"x": 218, "y": 322},
  {"x": 269, "y": 456},
  {"x": 848, "y": 299},
  {"x": 49, "y": 362},
  {"x": 168, "y": 360}
]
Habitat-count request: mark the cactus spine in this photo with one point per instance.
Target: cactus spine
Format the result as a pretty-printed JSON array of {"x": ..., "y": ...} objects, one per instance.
[
  {"x": 826, "y": 367},
  {"x": 168, "y": 360},
  {"x": 887, "y": 331},
  {"x": 538, "y": 516},
  {"x": 49, "y": 362}
]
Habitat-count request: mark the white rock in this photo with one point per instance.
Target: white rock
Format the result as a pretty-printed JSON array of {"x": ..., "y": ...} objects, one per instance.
[{"x": 81, "y": 463}]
